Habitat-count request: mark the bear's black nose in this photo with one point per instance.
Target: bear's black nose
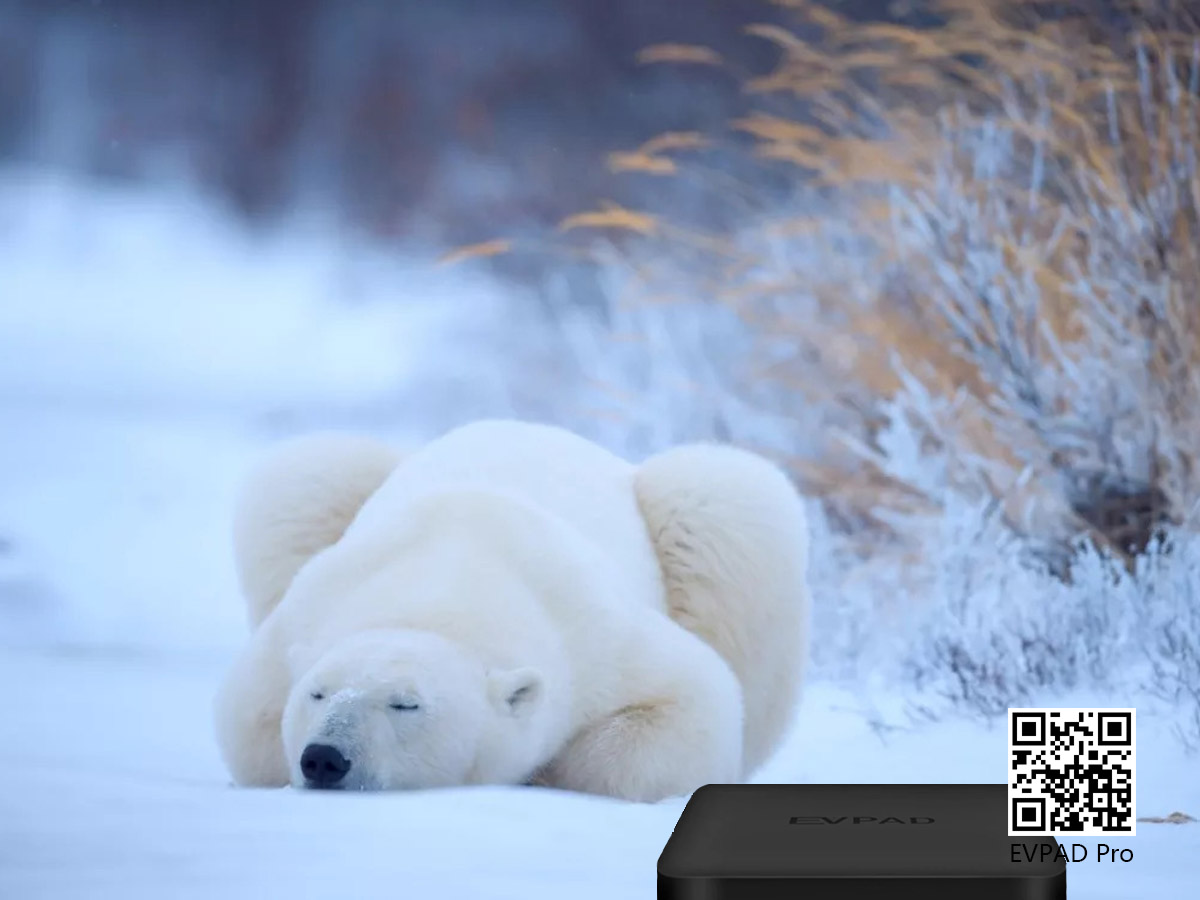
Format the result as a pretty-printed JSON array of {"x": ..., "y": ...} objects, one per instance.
[{"x": 323, "y": 766}]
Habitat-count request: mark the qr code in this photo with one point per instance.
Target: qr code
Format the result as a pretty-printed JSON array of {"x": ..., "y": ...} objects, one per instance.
[{"x": 1071, "y": 771}]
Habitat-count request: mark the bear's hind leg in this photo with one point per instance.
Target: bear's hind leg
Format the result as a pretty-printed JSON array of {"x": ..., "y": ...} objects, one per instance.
[
  {"x": 679, "y": 728},
  {"x": 732, "y": 541},
  {"x": 298, "y": 500}
]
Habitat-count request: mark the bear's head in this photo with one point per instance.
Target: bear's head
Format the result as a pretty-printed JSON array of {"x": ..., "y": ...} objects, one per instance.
[{"x": 401, "y": 709}]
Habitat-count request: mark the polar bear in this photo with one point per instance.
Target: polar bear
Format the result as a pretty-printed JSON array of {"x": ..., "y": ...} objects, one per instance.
[{"x": 514, "y": 604}]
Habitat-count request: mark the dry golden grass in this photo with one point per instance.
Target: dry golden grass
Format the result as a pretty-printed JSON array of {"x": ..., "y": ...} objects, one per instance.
[
  {"x": 649, "y": 158},
  {"x": 1099, "y": 124},
  {"x": 480, "y": 250},
  {"x": 680, "y": 53},
  {"x": 642, "y": 162},
  {"x": 1093, "y": 210},
  {"x": 613, "y": 216}
]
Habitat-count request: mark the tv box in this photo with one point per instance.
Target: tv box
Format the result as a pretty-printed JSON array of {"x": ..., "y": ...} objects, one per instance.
[{"x": 855, "y": 842}]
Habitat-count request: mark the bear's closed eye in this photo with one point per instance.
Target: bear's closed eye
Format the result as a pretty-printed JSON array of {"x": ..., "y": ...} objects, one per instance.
[
  {"x": 317, "y": 695},
  {"x": 407, "y": 707}
]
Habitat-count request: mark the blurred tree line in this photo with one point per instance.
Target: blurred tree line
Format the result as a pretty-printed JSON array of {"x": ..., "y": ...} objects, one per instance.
[{"x": 448, "y": 119}]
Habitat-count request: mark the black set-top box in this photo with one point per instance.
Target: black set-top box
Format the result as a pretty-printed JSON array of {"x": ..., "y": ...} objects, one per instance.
[{"x": 855, "y": 842}]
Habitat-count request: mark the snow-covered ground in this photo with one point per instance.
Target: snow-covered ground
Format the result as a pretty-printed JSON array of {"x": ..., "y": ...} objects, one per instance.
[
  {"x": 147, "y": 352},
  {"x": 114, "y": 789}
]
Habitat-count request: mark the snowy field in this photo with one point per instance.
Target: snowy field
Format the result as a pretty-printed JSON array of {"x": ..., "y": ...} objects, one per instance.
[
  {"x": 147, "y": 352},
  {"x": 115, "y": 790}
]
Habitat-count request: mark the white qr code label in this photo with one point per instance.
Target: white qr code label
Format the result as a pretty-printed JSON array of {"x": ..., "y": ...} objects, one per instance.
[{"x": 1071, "y": 771}]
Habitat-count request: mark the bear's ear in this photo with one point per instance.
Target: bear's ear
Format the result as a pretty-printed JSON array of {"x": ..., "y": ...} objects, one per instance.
[{"x": 515, "y": 691}]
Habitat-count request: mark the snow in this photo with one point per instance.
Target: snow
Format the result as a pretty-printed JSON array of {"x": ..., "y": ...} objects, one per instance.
[
  {"x": 115, "y": 790},
  {"x": 179, "y": 307},
  {"x": 147, "y": 351},
  {"x": 148, "y": 348}
]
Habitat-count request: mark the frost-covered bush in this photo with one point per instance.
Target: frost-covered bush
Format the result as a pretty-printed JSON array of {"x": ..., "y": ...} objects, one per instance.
[
  {"x": 636, "y": 377},
  {"x": 978, "y": 309},
  {"x": 1027, "y": 262},
  {"x": 1168, "y": 627}
]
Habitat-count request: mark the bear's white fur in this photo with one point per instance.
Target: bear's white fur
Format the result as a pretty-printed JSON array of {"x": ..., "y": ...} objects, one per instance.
[{"x": 512, "y": 603}]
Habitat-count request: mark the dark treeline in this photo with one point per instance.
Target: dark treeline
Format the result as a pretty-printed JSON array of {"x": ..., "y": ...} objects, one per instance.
[{"x": 466, "y": 113}]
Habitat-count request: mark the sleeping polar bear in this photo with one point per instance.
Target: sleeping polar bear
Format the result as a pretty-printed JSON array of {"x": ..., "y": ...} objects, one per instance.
[{"x": 513, "y": 604}]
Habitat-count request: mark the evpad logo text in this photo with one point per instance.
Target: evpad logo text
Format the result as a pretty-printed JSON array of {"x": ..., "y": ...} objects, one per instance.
[{"x": 860, "y": 820}]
